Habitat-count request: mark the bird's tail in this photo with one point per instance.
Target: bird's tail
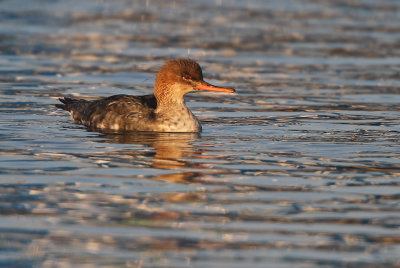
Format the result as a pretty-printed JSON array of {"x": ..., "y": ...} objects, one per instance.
[
  {"x": 69, "y": 104},
  {"x": 76, "y": 107}
]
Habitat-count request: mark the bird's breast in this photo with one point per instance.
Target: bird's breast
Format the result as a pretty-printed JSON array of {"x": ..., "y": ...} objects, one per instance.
[{"x": 181, "y": 120}]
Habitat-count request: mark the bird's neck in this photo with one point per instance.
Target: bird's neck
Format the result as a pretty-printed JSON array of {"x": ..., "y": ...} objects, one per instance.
[
  {"x": 170, "y": 105},
  {"x": 169, "y": 99}
]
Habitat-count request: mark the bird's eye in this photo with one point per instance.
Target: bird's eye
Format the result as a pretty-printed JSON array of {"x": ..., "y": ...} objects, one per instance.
[{"x": 187, "y": 77}]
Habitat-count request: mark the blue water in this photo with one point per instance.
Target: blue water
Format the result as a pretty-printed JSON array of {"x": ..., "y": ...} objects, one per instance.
[{"x": 301, "y": 168}]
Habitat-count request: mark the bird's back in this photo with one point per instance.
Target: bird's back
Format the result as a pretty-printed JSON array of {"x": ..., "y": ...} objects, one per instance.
[{"x": 118, "y": 112}]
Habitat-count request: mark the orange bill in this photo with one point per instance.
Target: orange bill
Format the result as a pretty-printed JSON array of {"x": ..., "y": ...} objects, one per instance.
[{"x": 209, "y": 87}]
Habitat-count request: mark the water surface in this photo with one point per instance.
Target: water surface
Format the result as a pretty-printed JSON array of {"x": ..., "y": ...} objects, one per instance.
[{"x": 301, "y": 168}]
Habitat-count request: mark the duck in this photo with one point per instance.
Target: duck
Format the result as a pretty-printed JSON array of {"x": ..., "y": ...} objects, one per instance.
[{"x": 163, "y": 111}]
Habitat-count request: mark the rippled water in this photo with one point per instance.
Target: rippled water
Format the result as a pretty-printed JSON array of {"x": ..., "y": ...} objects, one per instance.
[{"x": 300, "y": 169}]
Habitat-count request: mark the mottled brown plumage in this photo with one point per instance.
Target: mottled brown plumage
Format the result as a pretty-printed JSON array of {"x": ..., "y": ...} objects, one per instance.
[{"x": 165, "y": 111}]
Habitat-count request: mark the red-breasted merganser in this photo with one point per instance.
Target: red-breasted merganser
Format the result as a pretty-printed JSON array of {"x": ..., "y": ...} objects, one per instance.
[{"x": 165, "y": 111}]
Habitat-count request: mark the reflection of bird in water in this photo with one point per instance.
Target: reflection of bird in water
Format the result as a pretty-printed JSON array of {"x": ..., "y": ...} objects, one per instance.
[
  {"x": 174, "y": 153},
  {"x": 165, "y": 111},
  {"x": 170, "y": 150}
]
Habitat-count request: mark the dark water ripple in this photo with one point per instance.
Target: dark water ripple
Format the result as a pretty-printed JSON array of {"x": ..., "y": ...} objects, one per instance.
[{"x": 300, "y": 169}]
